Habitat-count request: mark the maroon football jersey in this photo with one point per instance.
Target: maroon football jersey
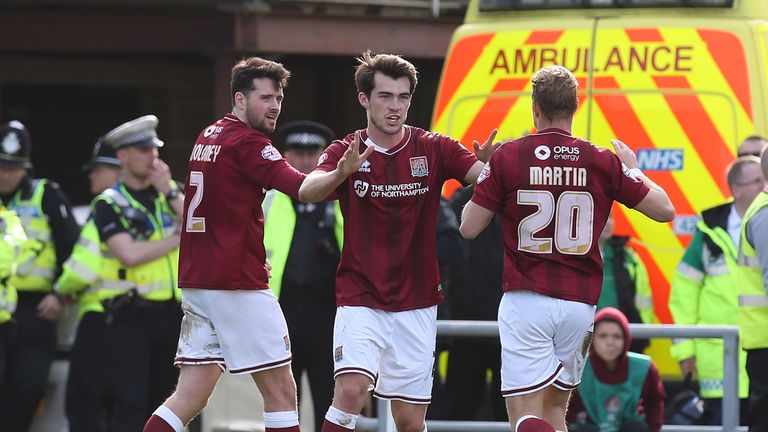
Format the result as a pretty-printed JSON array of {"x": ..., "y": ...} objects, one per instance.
[
  {"x": 222, "y": 236},
  {"x": 389, "y": 259},
  {"x": 555, "y": 193}
]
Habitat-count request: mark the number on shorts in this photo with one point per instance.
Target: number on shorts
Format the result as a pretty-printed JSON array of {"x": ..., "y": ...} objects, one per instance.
[
  {"x": 573, "y": 215},
  {"x": 195, "y": 223}
]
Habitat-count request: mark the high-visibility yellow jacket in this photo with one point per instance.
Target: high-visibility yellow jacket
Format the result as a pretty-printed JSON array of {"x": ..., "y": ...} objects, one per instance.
[
  {"x": 753, "y": 301},
  {"x": 156, "y": 280},
  {"x": 705, "y": 291},
  {"x": 81, "y": 272},
  {"x": 14, "y": 239},
  {"x": 34, "y": 273},
  {"x": 279, "y": 223}
]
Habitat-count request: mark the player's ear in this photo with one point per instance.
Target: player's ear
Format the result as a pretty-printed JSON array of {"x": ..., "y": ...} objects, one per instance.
[
  {"x": 240, "y": 100},
  {"x": 363, "y": 99}
]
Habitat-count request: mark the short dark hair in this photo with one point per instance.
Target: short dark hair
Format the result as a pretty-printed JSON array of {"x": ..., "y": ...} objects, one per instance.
[
  {"x": 390, "y": 65},
  {"x": 554, "y": 91},
  {"x": 735, "y": 172},
  {"x": 244, "y": 72}
]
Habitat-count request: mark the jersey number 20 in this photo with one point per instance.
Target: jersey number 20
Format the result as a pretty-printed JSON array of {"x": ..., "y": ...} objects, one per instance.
[{"x": 573, "y": 214}]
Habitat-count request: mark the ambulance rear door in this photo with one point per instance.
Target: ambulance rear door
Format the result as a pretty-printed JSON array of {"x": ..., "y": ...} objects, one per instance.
[{"x": 678, "y": 92}]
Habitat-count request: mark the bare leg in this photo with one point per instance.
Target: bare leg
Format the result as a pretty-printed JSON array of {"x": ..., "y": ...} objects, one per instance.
[
  {"x": 409, "y": 417},
  {"x": 278, "y": 388},
  {"x": 196, "y": 383}
]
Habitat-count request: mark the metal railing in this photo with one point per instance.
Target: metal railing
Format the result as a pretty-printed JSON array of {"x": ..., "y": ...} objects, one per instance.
[{"x": 729, "y": 334}]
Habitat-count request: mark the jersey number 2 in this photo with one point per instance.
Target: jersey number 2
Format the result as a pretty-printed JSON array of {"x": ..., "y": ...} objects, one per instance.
[
  {"x": 573, "y": 215},
  {"x": 195, "y": 224}
]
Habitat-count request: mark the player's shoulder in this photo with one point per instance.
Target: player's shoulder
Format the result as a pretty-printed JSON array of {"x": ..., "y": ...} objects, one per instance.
[
  {"x": 429, "y": 137},
  {"x": 346, "y": 141}
]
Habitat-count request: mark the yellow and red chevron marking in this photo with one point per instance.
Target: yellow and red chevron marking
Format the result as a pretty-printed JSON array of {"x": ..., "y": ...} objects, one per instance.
[{"x": 659, "y": 89}]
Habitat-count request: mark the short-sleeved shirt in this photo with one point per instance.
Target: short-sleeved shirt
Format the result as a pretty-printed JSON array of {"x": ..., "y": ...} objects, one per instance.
[
  {"x": 555, "y": 192},
  {"x": 222, "y": 236},
  {"x": 107, "y": 219},
  {"x": 388, "y": 260}
]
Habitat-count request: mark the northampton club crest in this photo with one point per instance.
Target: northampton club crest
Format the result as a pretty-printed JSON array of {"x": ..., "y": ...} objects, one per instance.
[{"x": 419, "y": 166}]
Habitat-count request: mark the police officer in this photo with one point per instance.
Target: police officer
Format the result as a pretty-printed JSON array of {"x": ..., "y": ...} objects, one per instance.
[
  {"x": 705, "y": 287},
  {"x": 13, "y": 238},
  {"x": 88, "y": 394},
  {"x": 137, "y": 221},
  {"x": 46, "y": 215},
  {"x": 303, "y": 243}
]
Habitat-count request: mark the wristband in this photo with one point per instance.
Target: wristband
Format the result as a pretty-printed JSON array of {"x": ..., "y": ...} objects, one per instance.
[{"x": 635, "y": 173}]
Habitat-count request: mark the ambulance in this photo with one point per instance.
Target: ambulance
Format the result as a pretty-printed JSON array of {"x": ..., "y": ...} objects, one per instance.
[{"x": 683, "y": 82}]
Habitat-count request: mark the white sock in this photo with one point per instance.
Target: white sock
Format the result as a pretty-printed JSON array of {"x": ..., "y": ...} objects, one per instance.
[
  {"x": 281, "y": 419},
  {"x": 166, "y": 414},
  {"x": 522, "y": 419},
  {"x": 341, "y": 418}
]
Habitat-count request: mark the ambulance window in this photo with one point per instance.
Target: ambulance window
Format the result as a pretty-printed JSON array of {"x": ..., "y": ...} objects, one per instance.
[{"x": 507, "y": 5}]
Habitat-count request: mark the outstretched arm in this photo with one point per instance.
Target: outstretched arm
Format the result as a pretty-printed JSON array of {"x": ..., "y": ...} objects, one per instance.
[
  {"x": 319, "y": 184},
  {"x": 474, "y": 219},
  {"x": 483, "y": 153},
  {"x": 656, "y": 205}
]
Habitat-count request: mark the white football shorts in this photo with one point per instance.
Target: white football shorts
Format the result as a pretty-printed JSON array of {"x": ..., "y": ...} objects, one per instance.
[
  {"x": 398, "y": 348},
  {"x": 242, "y": 330},
  {"x": 544, "y": 341}
]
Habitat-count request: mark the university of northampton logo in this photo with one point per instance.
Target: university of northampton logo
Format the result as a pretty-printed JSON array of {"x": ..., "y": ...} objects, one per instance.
[
  {"x": 419, "y": 166},
  {"x": 361, "y": 188}
]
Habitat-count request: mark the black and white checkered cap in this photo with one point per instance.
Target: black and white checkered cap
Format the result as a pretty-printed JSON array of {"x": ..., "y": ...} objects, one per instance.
[{"x": 137, "y": 133}]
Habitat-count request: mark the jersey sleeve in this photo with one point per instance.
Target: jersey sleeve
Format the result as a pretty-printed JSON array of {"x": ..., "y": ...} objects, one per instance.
[
  {"x": 262, "y": 163},
  {"x": 330, "y": 157},
  {"x": 456, "y": 159},
  {"x": 626, "y": 189},
  {"x": 489, "y": 186},
  {"x": 107, "y": 220}
]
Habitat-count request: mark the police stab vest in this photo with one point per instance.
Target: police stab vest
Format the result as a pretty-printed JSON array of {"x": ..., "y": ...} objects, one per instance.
[
  {"x": 155, "y": 280},
  {"x": 81, "y": 273},
  {"x": 36, "y": 271},
  {"x": 279, "y": 223}
]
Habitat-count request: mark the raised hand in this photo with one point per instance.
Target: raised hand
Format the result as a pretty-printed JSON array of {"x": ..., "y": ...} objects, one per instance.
[
  {"x": 625, "y": 154},
  {"x": 352, "y": 159},
  {"x": 485, "y": 151},
  {"x": 160, "y": 176}
]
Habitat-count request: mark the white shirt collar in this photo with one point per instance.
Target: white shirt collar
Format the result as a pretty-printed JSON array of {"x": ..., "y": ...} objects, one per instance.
[{"x": 734, "y": 225}]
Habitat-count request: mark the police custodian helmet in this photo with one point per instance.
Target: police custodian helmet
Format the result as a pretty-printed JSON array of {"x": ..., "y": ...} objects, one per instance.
[
  {"x": 15, "y": 145},
  {"x": 306, "y": 135},
  {"x": 102, "y": 155}
]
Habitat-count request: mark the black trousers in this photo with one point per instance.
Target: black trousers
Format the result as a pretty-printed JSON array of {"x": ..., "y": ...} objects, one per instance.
[
  {"x": 5, "y": 340},
  {"x": 311, "y": 332},
  {"x": 757, "y": 370},
  {"x": 89, "y": 391},
  {"x": 27, "y": 363},
  {"x": 468, "y": 391},
  {"x": 143, "y": 345}
]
